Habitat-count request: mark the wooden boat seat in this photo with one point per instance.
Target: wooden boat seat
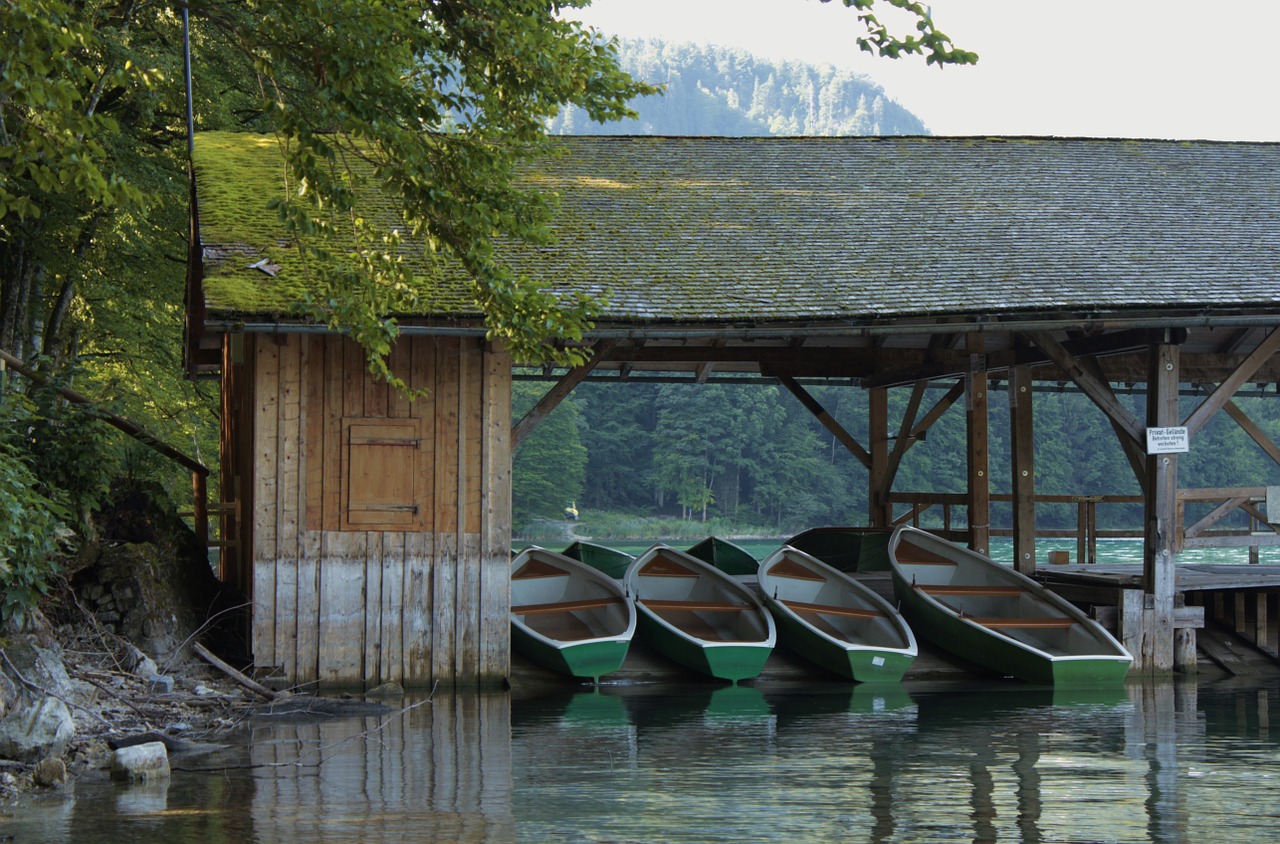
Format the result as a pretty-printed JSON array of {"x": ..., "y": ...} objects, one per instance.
[
  {"x": 538, "y": 568},
  {"x": 1042, "y": 622},
  {"x": 566, "y": 606},
  {"x": 667, "y": 567},
  {"x": 827, "y": 609},
  {"x": 795, "y": 571},
  {"x": 990, "y": 591},
  {"x": 696, "y": 606}
]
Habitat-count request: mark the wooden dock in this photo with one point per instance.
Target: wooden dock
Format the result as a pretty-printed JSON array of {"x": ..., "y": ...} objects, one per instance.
[{"x": 1237, "y": 600}]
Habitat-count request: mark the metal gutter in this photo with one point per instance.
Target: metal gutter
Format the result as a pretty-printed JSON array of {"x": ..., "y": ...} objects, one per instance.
[{"x": 785, "y": 332}]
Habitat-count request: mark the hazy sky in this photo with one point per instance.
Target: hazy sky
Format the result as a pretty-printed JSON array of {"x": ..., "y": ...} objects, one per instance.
[{"x": 1100, "y": 68}]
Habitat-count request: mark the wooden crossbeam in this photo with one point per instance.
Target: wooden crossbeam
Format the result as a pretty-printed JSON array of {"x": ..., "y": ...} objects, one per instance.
[
  {"x": 1041, "y": 622},
  {"x": 696, "y": 606},
  {"x": 828, "y": 609},
  {"x": 984, "y": 591},
  {"x": 566, "y": 606}
]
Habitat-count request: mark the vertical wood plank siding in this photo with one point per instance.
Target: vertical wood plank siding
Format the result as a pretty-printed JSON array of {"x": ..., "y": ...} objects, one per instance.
[{"x": 414, "y": 592}]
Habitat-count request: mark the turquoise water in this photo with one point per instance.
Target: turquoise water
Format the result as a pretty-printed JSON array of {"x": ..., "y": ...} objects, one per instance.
[
  {"x": 826, "y": 762},
  {"x": 1109, "y": 550}
]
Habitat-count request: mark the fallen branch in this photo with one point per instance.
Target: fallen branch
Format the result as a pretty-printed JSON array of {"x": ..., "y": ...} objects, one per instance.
[{"x": 251, "y": 685}]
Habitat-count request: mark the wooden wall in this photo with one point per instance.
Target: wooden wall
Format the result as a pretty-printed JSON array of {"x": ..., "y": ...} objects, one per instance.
[{"x": 378, "y": 527}]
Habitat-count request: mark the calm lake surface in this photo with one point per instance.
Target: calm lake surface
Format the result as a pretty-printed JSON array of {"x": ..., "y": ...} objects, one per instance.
[{"x": 1169, "y": 762}]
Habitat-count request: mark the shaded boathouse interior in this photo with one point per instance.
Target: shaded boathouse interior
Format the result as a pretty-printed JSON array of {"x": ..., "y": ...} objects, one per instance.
[{"x": 373, "y": 533}]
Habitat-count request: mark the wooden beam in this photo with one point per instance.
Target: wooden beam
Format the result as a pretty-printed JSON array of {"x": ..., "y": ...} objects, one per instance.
[
  {"x": 557, "y": 394},
  {"x": 1255, "y": 433},
  {"x": 1098, "y": 391},
  {"x": 977, "y": 446},
  {"x": 1134, "y": 451},
  {"x": 1023, "y": 468},
  {"x": 903, "y": 441},
  {"x": 879, "y": 477},
  {"x": 1198, "y": 417},
  {"x": 828, "y": 421},
  {"x": 1162, "y": 539}
]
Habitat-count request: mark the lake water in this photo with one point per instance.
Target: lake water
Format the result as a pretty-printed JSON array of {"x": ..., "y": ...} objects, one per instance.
[
  {"x": 1168, "y": 762},
  {"x": 1109, "y": 550}
]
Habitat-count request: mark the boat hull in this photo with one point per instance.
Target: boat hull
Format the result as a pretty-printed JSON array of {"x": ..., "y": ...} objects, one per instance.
[
  {"x": 699, "y": 617},
  {"x": 983, "y": 612},
  {"x": 846, "y": 549},
  {"x": 568, "y": 617},
  {"x": 722, "y": 661},
  {"x": 725, "y": 555},
  {"x": 827, "y": 617},
  {"x": 600, "y": 557},
  {"x": 582, "y": 660}
]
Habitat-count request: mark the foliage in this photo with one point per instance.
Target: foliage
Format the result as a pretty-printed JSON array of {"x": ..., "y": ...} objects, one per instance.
[
  {"x": 32, "y": 529},
  {"x": 708, "y": 90},
  {"x": 880, "y": 40},
  {"x": 761, "y": 459},
  {"x": 549, "y": 467}
]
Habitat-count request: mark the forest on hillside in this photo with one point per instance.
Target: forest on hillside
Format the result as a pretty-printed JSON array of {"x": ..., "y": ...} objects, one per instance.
[
  {"x": 752, "y": 455},
  {"x": 719, "y": 91}
]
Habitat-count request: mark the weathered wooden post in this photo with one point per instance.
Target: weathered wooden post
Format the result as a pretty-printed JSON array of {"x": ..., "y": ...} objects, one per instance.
[
  {"x": 978, "y": 453},
  {"x": 1023, "y": 467},
  {"x": 1161, "y": 513}
]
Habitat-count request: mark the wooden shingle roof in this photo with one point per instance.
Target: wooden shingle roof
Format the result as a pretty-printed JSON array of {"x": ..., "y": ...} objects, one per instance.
[{"x": 712, "y": 230}]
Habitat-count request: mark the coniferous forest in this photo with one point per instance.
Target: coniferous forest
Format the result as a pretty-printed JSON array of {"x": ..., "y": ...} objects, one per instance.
[
  {"x": 717, "y": 91},
  {"x": 751, "y": 455}
]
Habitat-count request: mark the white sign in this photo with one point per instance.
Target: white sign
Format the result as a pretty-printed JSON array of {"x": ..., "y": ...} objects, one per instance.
[{"x": 1168, "y": 441}]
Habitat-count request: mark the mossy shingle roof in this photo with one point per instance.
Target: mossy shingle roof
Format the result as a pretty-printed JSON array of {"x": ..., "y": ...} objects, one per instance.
[{"x": 782, "y": 229}]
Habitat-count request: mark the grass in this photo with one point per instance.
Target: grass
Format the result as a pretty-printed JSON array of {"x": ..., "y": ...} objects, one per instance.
[{"x": 615, "y": 525}]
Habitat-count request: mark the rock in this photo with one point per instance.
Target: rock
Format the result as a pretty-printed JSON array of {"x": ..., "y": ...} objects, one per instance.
[
  {"x": 386, "y": 690},
  {"x": 140, "y": 763},
  {"x": 160, "y": 684},
  {"x": 49, "y": 772},
  {"x": 29, "y": 665},
  {"x": 42, "y": 729}
]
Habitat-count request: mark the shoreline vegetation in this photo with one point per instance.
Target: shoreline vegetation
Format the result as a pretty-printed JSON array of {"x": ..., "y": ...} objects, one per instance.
[{"x": 613, "y": 526}]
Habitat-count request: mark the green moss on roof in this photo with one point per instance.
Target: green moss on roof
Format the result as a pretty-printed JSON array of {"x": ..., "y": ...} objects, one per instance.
[{"x": 765, "y": 229}]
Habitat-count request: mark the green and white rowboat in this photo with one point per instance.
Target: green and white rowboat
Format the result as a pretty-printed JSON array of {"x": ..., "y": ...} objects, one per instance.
[
  {"x": 846, "y": 548},
  {"x": 567, "y": 616},
  {"x": 985, "y": 612},
  {"x": 829, "y": 618},
  {"x": 698, "y": 616},
  {"x": 726, "y": 556},
  {"x": 601, "y": 557}
]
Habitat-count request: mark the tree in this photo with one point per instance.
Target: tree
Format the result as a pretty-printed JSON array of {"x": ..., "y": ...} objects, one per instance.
[{"x": 549, "y": 467}]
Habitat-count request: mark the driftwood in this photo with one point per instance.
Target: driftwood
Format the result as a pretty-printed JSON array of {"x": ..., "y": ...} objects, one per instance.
[{"x": 251, "y": 685}]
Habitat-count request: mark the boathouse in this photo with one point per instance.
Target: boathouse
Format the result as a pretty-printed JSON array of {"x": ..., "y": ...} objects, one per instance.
[{"x": 373, "y": 533}]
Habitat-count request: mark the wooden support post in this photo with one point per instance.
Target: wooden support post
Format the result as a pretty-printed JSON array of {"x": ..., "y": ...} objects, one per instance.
[
  {"x": 1159, "y": 551},
  {"x": 1022, "y": 431},
  {"x": 878, "y": 478},
  {"x": 977, "y": 446},
  {"x": 1132, "y": 622}
]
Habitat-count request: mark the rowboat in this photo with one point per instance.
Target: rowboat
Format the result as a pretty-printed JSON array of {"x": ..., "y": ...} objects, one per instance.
[
  {"x": 846, "y": 548},
  {"x": 978, "y": 609},
  {"x": 829, "y": 618},
  {"x": 568, "y": 617},
  {"x": 698, "y": 616},
  {"x": 600, "y": 557},
  {"x": 724, "y": 555}
]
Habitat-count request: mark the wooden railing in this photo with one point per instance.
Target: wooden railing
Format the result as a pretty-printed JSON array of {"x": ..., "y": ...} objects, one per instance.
[{"x": 1202, "y": 533}]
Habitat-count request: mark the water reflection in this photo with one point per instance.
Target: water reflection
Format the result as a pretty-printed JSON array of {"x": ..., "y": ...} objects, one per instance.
[{"x": 823, "y": 762}]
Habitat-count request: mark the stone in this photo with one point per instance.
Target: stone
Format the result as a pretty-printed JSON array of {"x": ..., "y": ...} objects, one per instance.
[
  {"x": 160, "y": 684},
  {"x": 42, "y": 729},
  {"x": 140, "y": 763},
  {"x": 391, "y": 689},
  {"x": 49, "y": 772}
]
